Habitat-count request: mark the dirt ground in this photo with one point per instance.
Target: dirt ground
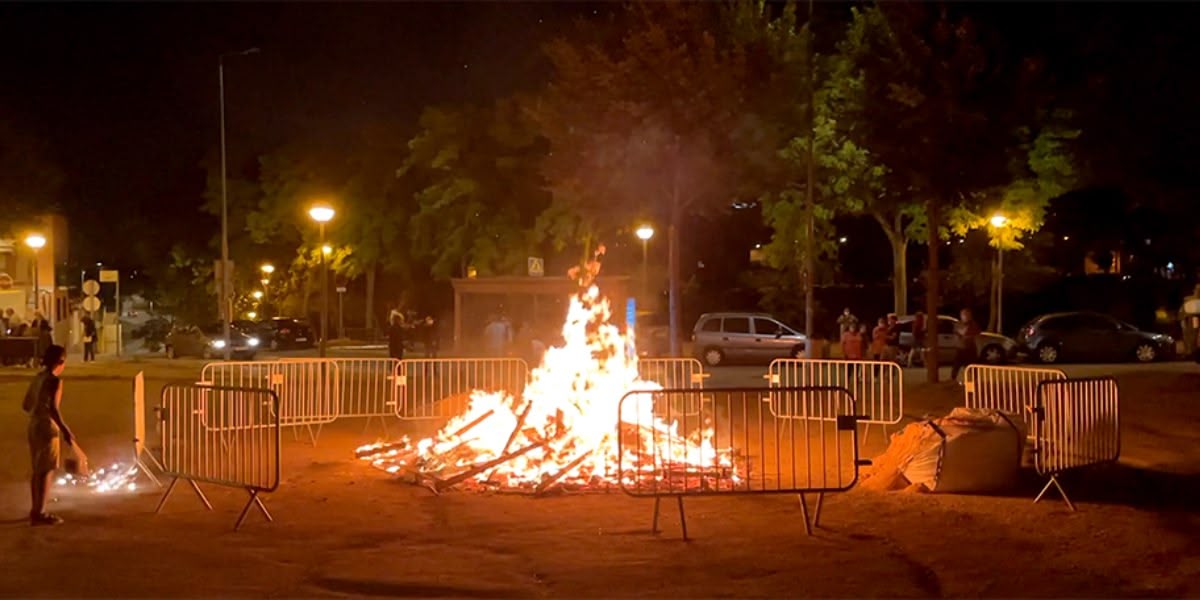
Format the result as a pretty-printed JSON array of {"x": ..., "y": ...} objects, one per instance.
[{"x": 344, "y": 529}]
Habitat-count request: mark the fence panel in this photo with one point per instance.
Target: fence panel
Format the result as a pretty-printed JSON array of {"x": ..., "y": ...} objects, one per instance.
[
  {"x": 675, "y": 373},
  {"x": 876, "y": 386},
  {"x": 1011, "y": 390},
  {"x": 439, "y": 388},
  {"x": 221, "y": 435},
  {"x": 738, "y": 444},
  {"x": 307, "y": 388},
  {"x": 1076, "y": 424},
  {"x": 367, "y": 387}
]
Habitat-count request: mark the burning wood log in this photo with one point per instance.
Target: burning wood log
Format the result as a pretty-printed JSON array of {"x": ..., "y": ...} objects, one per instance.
[
  {"x": 381, "y": 449},
  {"x": 469, "y": 473},
  {"x": 465, "y": 428},
  {"x": 549, "y": 483},
  {"x": 517, "y": 430}
]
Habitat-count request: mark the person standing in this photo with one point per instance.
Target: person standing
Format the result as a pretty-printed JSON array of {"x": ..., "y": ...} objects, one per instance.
[
  {"x": 892, "y": 343},
  {"x": 967, "y": 332},
  {"x": 395, "y": 335},
  {"x": 89, "y": 338},
  {"x": 853, "y": 342},
  {"x": 496, "y": 336},
  {"x": 846, "y": 322},
  {"x": 41, "y": 330},
  {"x": 916, "y": 354},
  {"x": 429, "y": 337},
  {"x": 43, "y": 399},
  {"x": 879, "y": 339}
]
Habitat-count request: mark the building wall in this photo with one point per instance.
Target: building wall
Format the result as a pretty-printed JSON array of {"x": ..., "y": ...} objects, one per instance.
[{"x": 16, "y": 268}]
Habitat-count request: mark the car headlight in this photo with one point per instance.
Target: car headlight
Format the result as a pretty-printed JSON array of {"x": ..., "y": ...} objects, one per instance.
[
  {"x": 218, "y": 344},
  {"x": 252, "y": 342}
]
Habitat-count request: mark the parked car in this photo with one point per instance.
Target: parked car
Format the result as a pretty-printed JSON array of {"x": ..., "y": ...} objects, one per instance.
[
  {"x": 1089, "y": 336},
  {"x": 991, "y": 348},
  {"x": 209, "y": 342},
  {"x": 744, "y": 337},
  {"x": 282, "y": 333}
]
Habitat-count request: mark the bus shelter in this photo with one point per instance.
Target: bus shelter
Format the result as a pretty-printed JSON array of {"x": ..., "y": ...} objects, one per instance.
[{"x": 539, "y": 302}]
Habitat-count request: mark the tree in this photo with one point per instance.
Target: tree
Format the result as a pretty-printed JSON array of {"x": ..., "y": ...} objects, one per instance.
[
  {"x": 477, "y": 189},
  {"x": 639, "y": 127}
]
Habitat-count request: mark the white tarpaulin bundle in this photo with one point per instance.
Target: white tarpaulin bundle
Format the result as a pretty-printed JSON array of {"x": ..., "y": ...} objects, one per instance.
[{"x": 970, "y": 450}]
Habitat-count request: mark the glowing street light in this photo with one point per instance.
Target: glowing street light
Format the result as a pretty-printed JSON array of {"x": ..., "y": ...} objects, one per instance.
[
  {"x": 257, "y": 294},
  {"x": 999, "y": 221},
  {"x": 267, "y": 269},
  {"x": 644, "y": 233},
  {"x": 36, "y": 242},
  {"x": 322, "y": 214}
]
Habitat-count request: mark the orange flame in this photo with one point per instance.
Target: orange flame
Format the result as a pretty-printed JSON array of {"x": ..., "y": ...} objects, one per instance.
[{"x": 568, "y": 416}]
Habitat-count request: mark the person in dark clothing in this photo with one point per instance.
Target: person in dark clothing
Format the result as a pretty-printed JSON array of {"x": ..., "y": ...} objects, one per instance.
[
  {"x": 429, "y": 337},
  {"x": 916, "y": 354},
  {"x": 395, "y": 334},
  {"x": 968, "y": 334},
  {"x": 40, "y": 328},
  {"x": 89, "y": 338}
]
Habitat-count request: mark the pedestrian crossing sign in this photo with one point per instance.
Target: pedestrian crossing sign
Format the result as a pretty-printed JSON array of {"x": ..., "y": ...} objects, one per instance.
[{"x": 537, "y": 267}]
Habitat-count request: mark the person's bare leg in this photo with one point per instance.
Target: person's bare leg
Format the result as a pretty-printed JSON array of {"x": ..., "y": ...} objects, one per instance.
[{"x": 40, "y": 488}]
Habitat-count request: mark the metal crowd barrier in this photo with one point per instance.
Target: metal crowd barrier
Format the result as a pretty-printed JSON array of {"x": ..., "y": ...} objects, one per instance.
[
  {"x": 1010, "y": 390},
  {"x": 367, "y": 388},
  {"x": 307, "y": 388},
  {"x": 439, "y": 388},
  {"x": 1076, "y": 424},
  {"x": 876, "y": 386},
  {"x": 675, "y": 373},
  {"x": 751, "y": 449},
  {"x": 221, "y": 435}
]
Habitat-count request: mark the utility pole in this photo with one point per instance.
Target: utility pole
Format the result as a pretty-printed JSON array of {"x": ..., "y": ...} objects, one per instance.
[
  {"x": 223, "y": 287},
  {"x": 810, "y": 227}
]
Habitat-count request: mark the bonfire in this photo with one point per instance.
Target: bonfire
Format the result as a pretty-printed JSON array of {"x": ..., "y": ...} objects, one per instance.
[{"x": 565, "y": 430}]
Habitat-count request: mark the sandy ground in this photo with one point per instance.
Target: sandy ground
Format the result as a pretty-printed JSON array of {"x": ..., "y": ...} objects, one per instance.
[{"x": 342, "y": 528}]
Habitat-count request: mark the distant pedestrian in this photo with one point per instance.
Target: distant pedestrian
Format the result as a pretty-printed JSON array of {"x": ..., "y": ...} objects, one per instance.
[
  {"x": 497, "y": 336},
  {"x": 396, "y": 334},
  {"x": 41, "y": 330},
  {"x": 967, "y": 333},
  {"x": 916, "y": 354},
  {"x": 846, "y": 322},
  {"x": 429, "y": 337},
  {"x": 43, "y": 400},
  {"x": 89, "y": 338},
  {"x": 853, "y": 342},
  {"x": 892, "y": 343},
  {"x": 879, "y": 339}
]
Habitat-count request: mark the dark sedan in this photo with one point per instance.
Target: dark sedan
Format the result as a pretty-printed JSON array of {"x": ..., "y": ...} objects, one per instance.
[
  {"x": 1091, "y": 337},
  {"x": 282, "y": 333}
]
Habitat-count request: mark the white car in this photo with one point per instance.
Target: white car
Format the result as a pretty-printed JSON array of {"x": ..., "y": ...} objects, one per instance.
[{"x": 992, "y": 348}]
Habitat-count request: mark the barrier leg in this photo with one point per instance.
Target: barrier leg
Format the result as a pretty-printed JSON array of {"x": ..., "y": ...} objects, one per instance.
[
  {"x": 166, "y": 494},
  {"x": 1054, "y": 482},
  {"x": 254, "y": 500},
  {"x": 654, "y": 524},
  {"x": 682, "y": 518},
  {"x": 142, "y": 468},
  {"x": 817, "y": 513},
  {"x": 804, "y": 514},
  {"x": 199, "y": 493}
]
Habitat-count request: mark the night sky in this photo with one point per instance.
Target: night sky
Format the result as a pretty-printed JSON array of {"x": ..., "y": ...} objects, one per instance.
[{"x": 126, "y": 95}]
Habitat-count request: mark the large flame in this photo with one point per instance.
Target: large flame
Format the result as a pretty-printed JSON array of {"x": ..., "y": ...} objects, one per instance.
[{"x": 564, "y": 428}]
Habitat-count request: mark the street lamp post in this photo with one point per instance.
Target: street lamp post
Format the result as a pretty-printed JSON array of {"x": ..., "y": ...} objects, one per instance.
[
  {"x": 999, "y": 221},
  {"x": 223, "y": 285},
  {"x": 644, "y": 233},
  {"x": 322, "y": 214},
  {"x": 266, "y": 269},
  {"x": 36, "y": 242}
]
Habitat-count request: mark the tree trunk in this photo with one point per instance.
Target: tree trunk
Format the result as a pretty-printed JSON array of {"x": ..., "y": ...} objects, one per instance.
[
  {"x": 899, "y": 245},
  {"x": 369, "y": 311},
  {"x": 932, "y": 294},
  {"x": 993, "y": 293}
]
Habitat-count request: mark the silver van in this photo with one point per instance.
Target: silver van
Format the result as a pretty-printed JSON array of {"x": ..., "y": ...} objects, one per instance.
[{"x": 719, "y": 338}]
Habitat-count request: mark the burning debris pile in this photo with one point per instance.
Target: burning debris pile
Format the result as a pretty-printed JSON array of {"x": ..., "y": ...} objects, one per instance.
[{"x": 562, "y": 432}]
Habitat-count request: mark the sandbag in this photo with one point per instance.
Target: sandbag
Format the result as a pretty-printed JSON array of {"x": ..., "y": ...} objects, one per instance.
[{"x": 969, "y": 450}]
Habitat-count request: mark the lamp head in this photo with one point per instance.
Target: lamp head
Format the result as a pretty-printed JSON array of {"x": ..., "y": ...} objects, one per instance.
[
  {"x": 321, "y": 213},
  {"x": 35, "y": 241},
  {"x": 645, "y": 232}
]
